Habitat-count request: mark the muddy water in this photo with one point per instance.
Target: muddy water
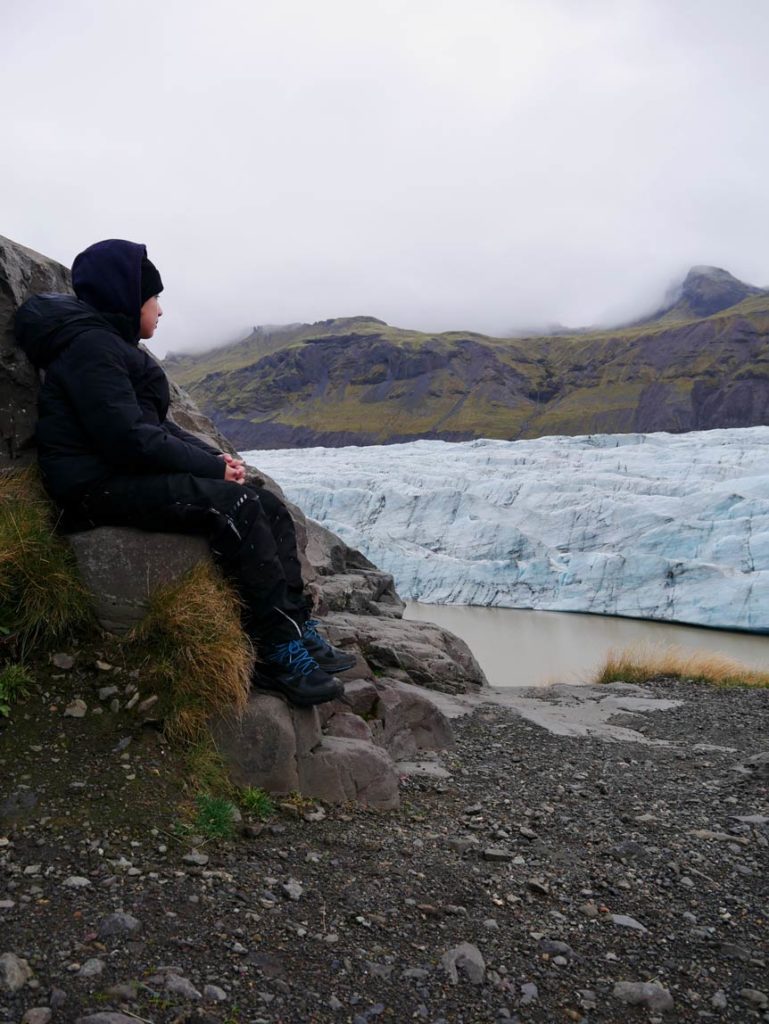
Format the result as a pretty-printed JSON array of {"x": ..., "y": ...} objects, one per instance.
[{"x": 516, "y": 647}]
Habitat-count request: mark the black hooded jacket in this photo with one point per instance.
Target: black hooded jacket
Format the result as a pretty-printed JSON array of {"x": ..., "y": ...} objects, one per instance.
[{"x": 103, "y": 404}]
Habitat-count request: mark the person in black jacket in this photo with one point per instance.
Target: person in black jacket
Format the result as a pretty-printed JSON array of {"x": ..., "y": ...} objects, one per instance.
[{"x": 109, "y": 456}]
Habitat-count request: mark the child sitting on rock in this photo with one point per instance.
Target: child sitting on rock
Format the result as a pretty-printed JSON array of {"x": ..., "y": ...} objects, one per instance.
[{"x": 109, "y": 456}]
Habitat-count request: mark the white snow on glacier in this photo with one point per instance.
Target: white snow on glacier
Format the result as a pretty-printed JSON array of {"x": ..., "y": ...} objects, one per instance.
[{"x": 654, "y": 526}]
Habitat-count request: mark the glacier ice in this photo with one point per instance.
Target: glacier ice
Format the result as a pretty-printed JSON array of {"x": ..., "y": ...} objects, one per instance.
[{"x": 654, "y": 526}]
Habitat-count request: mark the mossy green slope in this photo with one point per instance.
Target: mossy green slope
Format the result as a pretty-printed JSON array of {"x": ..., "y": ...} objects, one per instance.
[{"x": 361, "y": 381}]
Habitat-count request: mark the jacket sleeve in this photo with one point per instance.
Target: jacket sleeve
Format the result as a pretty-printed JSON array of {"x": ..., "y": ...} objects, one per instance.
[
  {"x": 185, "y": 435},
  {"x": 99, "y": 386}
]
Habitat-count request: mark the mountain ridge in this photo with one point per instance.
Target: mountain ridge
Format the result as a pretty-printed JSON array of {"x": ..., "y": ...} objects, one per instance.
[{"x": 358, "y": 380}]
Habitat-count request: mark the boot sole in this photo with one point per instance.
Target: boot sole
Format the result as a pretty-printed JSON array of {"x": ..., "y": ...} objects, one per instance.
[
  {"x": 267, "y": 685},
  {"x": 339, "y": 666}
]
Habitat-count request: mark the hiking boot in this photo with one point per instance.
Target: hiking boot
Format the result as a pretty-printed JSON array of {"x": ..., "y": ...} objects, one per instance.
[
  {"x": 329, "y": 658},
  {"x": 288, "y": 669}
]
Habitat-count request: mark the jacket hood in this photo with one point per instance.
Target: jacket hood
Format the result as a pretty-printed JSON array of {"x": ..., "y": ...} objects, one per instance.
[
  {"x": 47, "y": 323},
  {"x": 108, "y": 276}
]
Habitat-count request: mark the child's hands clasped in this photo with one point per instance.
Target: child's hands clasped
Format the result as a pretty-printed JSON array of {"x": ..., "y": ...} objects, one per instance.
[{"x": 234, "y": 469}]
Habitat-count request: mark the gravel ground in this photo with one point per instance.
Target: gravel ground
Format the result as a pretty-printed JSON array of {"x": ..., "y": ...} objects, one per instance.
[{"x": 530, "y": 885}]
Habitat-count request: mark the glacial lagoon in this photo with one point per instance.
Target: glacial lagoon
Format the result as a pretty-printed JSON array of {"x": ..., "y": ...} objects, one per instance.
[{"x": 519, "y": 647}]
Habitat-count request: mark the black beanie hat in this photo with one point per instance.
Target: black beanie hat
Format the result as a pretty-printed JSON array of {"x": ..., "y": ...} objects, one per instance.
[{"x": 151, "y": 283}]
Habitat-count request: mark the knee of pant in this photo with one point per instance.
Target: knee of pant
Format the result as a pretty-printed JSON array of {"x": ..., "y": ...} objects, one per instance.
[
  {"x": 271, "y": 503},
  {"x": 231, "y": 528}
]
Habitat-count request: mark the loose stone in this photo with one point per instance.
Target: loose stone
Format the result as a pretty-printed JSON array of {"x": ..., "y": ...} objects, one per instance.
[
  {"x": 529, "y": 993},
  {"x": 14, "y": 972},
  {"x": 91, "y": 968},
  {"x": 181, "y": 987},
  {"x": 214, "y": 994},
  {"x": 292, "y": 889},
  {"x": 466, "y": 958},
  {"x": 496, "y": 853},
  {"x": 644, "y": 993},
  {"x": 118, "y": 924},
  {"x": 63, "y": 661},
  {"x": 76, "y": 882},
  {"x": 623, "y": 921},
  {"x": 38, "y": 1015},
  {"x": 755, "y": 998},
  {"x": 77, "y": 709},
  {"x": 719, "y": 1000},
  {"x": 196, "y": 858}
]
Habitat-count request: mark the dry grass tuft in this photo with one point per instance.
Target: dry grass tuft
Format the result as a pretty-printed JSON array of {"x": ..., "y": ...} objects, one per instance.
[
  {"x": 41, "y": 596},
  {"x": 638, "y": 665},
  {"x": 194, "y": 646}
]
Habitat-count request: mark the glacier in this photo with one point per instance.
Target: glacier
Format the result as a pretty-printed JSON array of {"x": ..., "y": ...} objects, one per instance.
[{"x": 662, "y": 526}]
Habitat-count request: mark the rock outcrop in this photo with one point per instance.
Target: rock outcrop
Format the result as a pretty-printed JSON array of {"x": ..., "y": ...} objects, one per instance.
[
  {"x": 22, "y": 273},
  {"x": 350, "y": 752}
]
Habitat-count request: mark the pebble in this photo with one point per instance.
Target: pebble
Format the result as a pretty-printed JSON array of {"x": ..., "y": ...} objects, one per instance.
[
  {"x": 131, "y": 704},
  {"x": 555, "y": 948},
  {"x": 293, "y": 889},
  {"x": 150, "y": 702},
  {"x": 104, "y": 666},
  {"x": 214, "y": 994},
  {"x": 195, "y": 858},
  {"x": 529, "y": 993},
  {"x": 755, "y": 998},
  {"x": 77, "y": 709},
  {"x": 181, "y": 986},
  {"x": 38, "y": 1015},
  {"x": 76, "y": 882},
  {"x": 118, "y": 924},
  {"x": 466, "y": 958},
  {"x": 107, "y": 691},
  {"x": 14, "y": 972},
  {"x": 733, "y": 951},
  {"x": 496, "y": 853},
  {"x": 491, "y": 924},
  {"x": 644, "y": 993},
  {"x": 623, "y": 921},
  {"x": 719, "y": 1001},
  {"x": 91, "y": 968},
  {"x": 63, "y": 661}
]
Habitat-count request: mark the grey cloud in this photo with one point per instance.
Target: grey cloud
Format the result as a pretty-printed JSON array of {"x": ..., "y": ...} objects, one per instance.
[{"x": 441, "y": 165}]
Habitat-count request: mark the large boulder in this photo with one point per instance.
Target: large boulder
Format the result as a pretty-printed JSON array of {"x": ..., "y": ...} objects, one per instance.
[
  {"x": 122, "y": 568},
  {"x": 415, "y": 652},
  {"x": 283, "y": 750},
  {"x": 22, "y": 273}
]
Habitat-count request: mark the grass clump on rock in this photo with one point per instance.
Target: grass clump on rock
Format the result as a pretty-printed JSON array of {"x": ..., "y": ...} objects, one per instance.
[
  {"x": 195, "y": 648},
  {"x": 42, "y": 599},
  {"x": 641, "y": 665}
]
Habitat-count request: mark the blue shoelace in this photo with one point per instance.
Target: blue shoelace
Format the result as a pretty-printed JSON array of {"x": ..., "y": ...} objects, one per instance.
[
  {"x": 309, "y": 632},
  {"x": 293, "y": 655}
]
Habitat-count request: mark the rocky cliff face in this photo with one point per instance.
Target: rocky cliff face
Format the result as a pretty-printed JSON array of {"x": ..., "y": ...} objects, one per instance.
[
  {"x": 701, "y": 362},
  {"x": 22, "y": 273},
  {"x": 365, "y": 607}
]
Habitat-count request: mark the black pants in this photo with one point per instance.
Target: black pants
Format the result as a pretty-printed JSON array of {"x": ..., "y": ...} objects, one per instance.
[{"x": 250, "y": 531}]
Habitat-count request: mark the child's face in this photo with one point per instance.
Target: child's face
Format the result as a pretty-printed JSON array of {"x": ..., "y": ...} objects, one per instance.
[{"x": 148, "y": 319}]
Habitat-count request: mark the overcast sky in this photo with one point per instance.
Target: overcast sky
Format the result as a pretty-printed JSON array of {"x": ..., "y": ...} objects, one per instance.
[{"x": 484, "y": 164}]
